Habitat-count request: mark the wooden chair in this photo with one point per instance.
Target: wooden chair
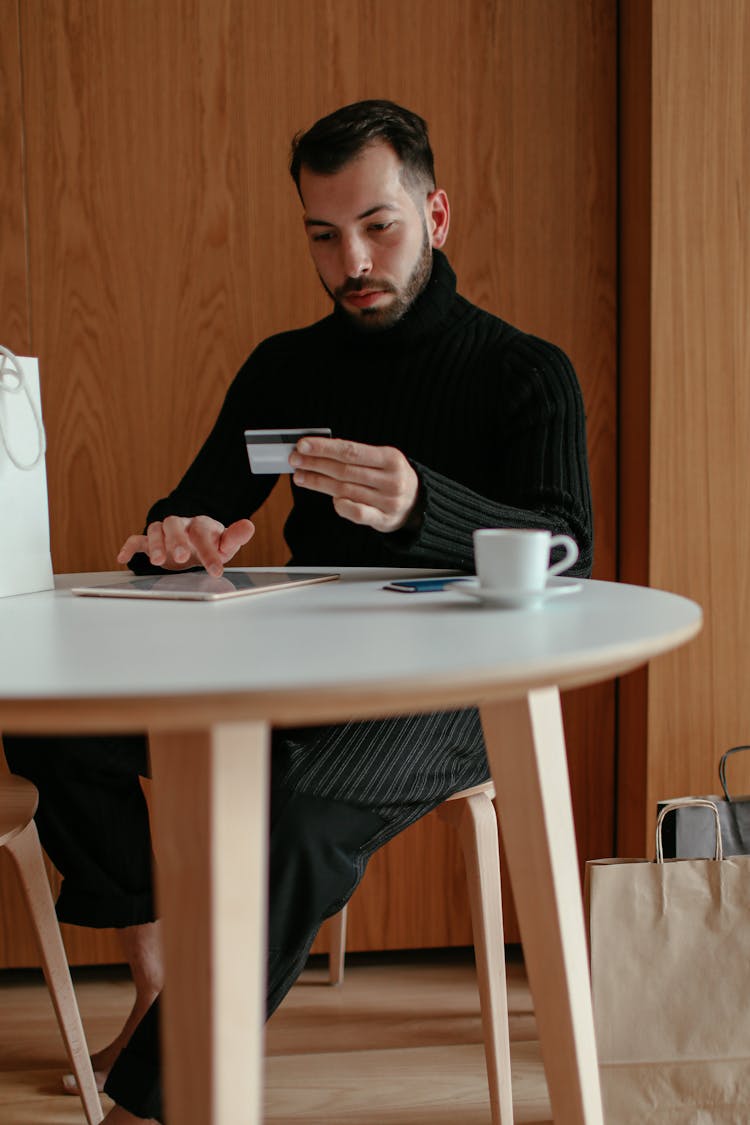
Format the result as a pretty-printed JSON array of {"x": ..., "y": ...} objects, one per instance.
[
  {"x": 18, "y": 801},
  {"x": 472, "y": 813}
]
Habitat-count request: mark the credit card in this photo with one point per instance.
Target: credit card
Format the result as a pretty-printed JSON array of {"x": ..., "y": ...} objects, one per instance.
[{"x": 268, "y": 450}]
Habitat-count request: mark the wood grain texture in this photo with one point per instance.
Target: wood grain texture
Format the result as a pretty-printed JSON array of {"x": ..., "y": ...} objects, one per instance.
[
  {"x": 699, "y": 702},
  {"x": 14, "y": 292},
  {"x": 165, "y": 242},
  {"x": 687, "y": 270},
  {"x": 213, "y": 1049},
  {"x": 535, "y": 813},
  {"x": 400, "y": 1042},
  {"x": 694, "y": 280},
  {"x": 634, "y": 401}
]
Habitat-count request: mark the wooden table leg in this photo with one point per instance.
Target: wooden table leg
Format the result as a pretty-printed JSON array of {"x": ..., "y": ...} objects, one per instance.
[
  {"x": 210, "y": 799},
  {"x": 526, "y": 750}
]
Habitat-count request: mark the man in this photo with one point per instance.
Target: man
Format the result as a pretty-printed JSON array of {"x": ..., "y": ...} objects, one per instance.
[{"x": 445, "y": 419}]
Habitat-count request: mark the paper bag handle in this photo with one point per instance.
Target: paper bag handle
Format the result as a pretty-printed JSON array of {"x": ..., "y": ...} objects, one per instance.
[
  {"x": 688, "y": 803},
  {"x": 723, "y": 768},
  {"x": 12, "y": 381}
]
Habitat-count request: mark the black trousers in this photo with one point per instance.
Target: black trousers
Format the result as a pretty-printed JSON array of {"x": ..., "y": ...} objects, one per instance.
[{"x": 93, "y": 823}]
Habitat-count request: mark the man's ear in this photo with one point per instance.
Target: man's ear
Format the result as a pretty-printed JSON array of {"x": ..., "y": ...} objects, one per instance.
[{"x": 438, "y": 217}]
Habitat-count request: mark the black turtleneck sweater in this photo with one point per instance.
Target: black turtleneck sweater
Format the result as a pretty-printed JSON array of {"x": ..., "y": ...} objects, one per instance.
[{"x": 491, "y": 419}]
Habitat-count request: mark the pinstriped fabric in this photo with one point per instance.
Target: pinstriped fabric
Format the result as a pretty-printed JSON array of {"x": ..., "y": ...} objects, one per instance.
[{"x": 413, "y": 760}]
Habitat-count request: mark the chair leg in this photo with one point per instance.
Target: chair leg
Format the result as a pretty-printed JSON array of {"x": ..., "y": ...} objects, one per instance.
[
  {"x": 26, "y": 853},
  {"x": 337, "y": 950},
  {"x": 476, "y": 823}
]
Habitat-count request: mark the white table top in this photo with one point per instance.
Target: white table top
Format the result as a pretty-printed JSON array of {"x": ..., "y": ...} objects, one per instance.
[
  {"x": 318, "y": 654},
  {"x": 315, "y": 653}
]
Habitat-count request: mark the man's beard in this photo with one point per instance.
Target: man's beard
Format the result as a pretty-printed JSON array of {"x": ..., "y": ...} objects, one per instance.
[{"x": 375, "y": 319}]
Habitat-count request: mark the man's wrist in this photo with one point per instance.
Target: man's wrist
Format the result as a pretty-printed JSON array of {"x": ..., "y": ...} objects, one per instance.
[
  {"x": 412, "y": 525},
  {"x": 414, "y": 520}
]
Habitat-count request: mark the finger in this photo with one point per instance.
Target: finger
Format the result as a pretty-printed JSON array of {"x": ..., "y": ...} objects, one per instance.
[
  {"x": 177, "y": 544},
  {"x": 235, "y": 536},
  {"x": 204, "y": 534},
  {"x": 339, "y": 471},
  {"x": 348, "y": 452},
  {"x": 155, "y": 546},
  {"x": 333, "y": 486},
  {"x": 390, "y": 501},
  {"x": 133, "y": 545}
]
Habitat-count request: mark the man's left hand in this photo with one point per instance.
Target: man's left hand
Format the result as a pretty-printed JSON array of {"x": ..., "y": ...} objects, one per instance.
[{"x": 370, "y": 484}]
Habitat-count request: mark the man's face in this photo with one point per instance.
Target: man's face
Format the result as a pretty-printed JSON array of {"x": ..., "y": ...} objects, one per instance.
[{"x": 370, "y": 238}]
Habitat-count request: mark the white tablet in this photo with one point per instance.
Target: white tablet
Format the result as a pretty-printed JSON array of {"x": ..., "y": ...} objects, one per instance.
[{"x": 197, "y": 586}]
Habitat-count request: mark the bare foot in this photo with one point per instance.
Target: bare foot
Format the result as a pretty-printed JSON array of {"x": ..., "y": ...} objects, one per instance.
[
  {"x": 142, "y": 948},
  {"x": 120, "y": 1116}
]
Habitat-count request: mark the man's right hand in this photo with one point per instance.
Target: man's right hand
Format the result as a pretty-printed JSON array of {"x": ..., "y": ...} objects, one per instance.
[{"x": 179, "y": 542}]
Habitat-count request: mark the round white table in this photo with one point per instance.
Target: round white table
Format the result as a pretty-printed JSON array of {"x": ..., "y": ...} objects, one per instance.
[{"x": 208, "y": 680}]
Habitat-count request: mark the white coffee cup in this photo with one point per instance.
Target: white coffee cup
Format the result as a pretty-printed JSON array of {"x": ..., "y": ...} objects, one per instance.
[{"x": 516, "y": 561}]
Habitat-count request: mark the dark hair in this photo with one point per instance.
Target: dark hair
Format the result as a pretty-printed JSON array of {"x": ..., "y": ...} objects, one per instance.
[{"x": 336, "y": 139}]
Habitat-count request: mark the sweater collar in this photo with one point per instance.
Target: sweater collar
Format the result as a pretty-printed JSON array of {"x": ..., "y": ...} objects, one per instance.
[{"x": 428, "y": 312}]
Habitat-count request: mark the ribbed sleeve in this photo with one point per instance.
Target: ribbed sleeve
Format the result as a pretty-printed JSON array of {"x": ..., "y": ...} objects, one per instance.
[
  {"x": 531, "y": 423},
  {"x": 451, "y": 514}
]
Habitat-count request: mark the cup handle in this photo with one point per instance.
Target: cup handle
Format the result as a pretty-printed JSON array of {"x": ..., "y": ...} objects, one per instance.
[{"x": 571, "y": 553}]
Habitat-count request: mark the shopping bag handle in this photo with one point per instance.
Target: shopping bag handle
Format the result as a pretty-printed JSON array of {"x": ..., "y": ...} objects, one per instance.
[
  {"x": 723, "y": 768},
  {"x": 12, "y": 381},
  {"x": 687, "y": 803}
]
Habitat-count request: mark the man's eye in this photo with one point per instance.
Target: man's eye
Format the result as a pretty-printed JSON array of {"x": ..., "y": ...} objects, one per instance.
[
  {"x": 324, "y": 236},
  {"x": 381, "y": 226}
]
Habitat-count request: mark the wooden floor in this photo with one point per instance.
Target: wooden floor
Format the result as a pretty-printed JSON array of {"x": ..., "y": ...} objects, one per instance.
[{"x": 399, "y": 1043}]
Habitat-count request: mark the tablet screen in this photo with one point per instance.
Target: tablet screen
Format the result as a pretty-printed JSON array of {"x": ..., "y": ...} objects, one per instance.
[{"x": 197, "y": 586}]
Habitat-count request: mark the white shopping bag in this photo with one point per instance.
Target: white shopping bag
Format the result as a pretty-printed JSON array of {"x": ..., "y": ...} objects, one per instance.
[{"x": 25, "y": 562}]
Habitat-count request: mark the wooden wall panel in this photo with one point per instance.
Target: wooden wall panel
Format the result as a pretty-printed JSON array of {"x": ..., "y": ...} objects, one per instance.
[
  {"x": 14, "y": 294},
  {"x": 689, "y": 216},
  {"x": 634, "y": 398},
  {"x": 699, "y": 702},
  {"x": 16, "y": 943},
  {"x": 165, "y": 241}
]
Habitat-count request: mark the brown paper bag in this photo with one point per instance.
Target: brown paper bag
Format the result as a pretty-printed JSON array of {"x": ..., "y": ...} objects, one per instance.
[{"x": 670, "y": 978}]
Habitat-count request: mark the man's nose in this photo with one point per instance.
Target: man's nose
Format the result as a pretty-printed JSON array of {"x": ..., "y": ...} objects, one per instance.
[{"x": 357, "y": 260}]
